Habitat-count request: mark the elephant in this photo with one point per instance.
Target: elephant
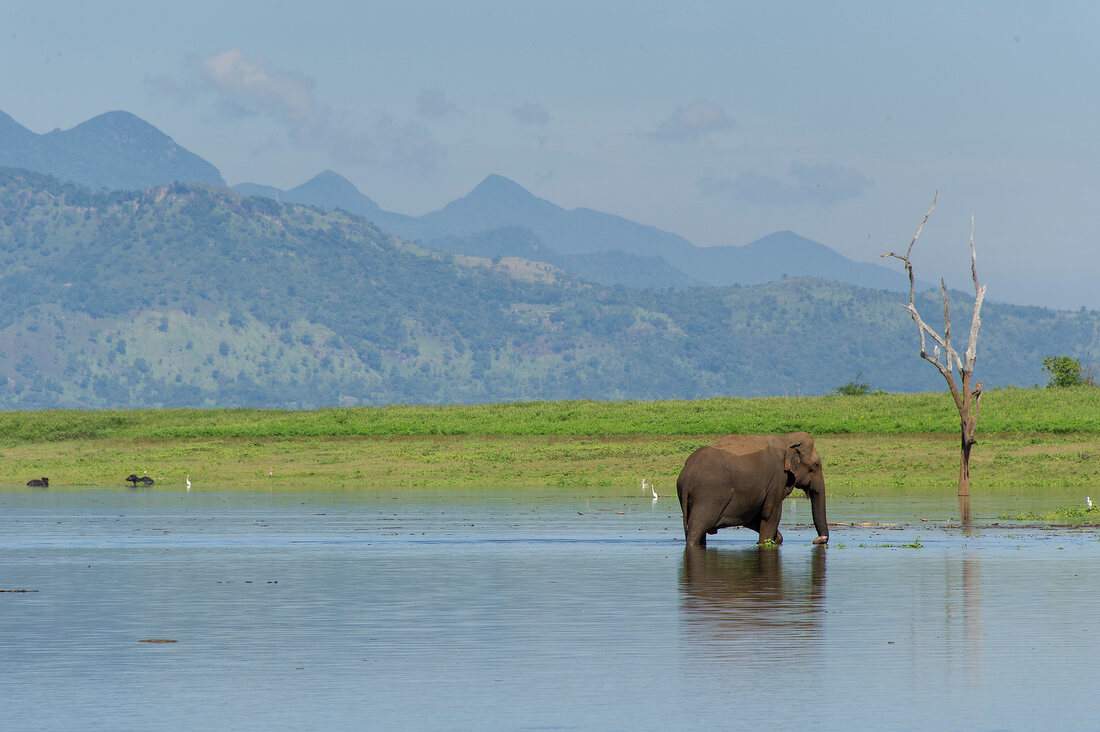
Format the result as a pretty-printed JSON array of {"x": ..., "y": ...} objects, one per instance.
[
  {"x": 39, "y": 483},
  {"x": 741, "y": 480}
]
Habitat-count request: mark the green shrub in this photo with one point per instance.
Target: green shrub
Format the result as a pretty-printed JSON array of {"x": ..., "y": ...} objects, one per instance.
[
  {"x": 854, "y": 388},
  {"x": 1064, "y": 371}
]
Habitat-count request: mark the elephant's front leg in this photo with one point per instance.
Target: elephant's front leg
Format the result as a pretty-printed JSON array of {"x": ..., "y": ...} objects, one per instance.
[{"x": 768, "y": 528}]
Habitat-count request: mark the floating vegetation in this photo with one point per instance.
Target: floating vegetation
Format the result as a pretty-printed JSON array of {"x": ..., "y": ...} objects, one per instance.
[
  {"x": 915, "y": 544},
  {"x": 1066, "y": 514}
]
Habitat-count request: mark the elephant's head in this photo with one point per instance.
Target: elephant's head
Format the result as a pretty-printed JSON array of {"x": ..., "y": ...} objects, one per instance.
[{"x": 803, "y": 467}]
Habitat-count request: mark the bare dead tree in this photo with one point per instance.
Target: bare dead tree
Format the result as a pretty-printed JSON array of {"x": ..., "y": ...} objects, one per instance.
[{"x": 967, "y": 398}]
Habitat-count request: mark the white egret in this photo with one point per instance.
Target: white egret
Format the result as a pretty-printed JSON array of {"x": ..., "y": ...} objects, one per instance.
[
  {"x": 1088, "y": 503},
  {"x": 646, "y": 484},
  {"x": 188, "y": 481}
]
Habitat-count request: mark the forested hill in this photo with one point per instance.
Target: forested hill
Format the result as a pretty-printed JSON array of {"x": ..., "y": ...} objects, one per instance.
[{"x": 197, "y": 296}]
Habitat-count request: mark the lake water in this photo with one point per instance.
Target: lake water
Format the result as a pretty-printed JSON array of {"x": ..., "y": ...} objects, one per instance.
[{"x": 532, "y": 611}]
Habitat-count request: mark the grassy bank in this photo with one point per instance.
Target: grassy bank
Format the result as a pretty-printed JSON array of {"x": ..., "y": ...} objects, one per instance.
[{"x": 904, "y": 442}]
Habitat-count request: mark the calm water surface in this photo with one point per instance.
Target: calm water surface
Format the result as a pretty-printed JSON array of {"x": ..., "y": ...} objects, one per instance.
[{"x": 533, "y": 611}]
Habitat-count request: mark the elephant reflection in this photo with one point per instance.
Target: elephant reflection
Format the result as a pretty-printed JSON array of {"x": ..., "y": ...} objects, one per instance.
[{"x": 752, "y": 595}]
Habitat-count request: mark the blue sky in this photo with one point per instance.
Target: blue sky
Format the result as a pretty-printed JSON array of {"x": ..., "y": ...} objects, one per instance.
[{"x": 720, "y": 121}]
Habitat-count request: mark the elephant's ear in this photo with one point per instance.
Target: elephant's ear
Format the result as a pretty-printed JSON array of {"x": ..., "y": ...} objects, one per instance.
[{"x": 792, "y": 459}]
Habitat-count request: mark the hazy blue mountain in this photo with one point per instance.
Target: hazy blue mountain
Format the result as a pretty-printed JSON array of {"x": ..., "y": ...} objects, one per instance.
[
  {"x": 786, "y": 254},
  {"x": 329, "y": 190},
  {"x": 333, "y": 191},
  {"x": 480, "y": 225},
  {"x": 326, "y": 189},
  {"x": 596, "y": 246},
  {"x": 498, "y": 201},
  {"x": 184, "y": 295},
  {"x": 116, "y": 150},
  {"x": 14, "y": 136}
]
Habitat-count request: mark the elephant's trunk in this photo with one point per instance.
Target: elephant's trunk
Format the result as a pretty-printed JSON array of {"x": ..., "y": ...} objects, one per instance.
[{"x": 817, "y": 505}]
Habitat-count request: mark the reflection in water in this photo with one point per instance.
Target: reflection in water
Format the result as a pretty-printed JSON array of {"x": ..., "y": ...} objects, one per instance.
[
  {"x": 972, "y": 615},
  {"x": 752, "y": 597},
  {"x": 964, "y": 510}
]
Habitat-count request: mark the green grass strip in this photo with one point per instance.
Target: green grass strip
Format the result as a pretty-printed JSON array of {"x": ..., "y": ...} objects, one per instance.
[{"x": 1066, "y": 410}]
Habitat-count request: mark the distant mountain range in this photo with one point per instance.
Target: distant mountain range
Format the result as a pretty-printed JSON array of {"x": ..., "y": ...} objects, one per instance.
[
  {"x": 188, "y": 295},
  {"x": 600, "y": 247},
  {"x": 119, "y": 151},
  {"x": 116, "y": 150}
]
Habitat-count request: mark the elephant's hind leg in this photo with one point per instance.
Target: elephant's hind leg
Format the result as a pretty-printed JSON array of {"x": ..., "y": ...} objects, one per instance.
[{"x": 695, "y": 534}]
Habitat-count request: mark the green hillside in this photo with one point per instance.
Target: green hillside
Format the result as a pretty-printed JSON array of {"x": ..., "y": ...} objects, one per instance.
[{"x": 197, "y": 296}]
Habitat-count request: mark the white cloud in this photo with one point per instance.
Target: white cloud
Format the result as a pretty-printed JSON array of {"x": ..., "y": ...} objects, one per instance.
[
  {"x": 693, "y": 122},
  {"x": 253, "y": 85}
]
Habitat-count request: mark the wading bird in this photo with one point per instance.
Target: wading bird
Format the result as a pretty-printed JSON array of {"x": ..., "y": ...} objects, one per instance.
[{"x": 646, "y": 484}]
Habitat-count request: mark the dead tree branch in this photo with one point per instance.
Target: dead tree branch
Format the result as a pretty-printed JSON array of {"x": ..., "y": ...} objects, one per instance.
[{"x": 967, "y": 398}]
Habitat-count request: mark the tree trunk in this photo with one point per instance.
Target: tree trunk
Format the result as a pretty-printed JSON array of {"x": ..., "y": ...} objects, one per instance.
[
  {"x": 969, "y": 405},
  {"x": 967, "y": 400},
  {"x": 964, "y": 465}
]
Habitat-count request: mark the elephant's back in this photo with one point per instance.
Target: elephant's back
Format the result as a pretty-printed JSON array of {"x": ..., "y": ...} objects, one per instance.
[
  {"x": 714, "y": 464},
  {"x": 704, "y": 457},
  {"x": 743, "y": 444}
]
